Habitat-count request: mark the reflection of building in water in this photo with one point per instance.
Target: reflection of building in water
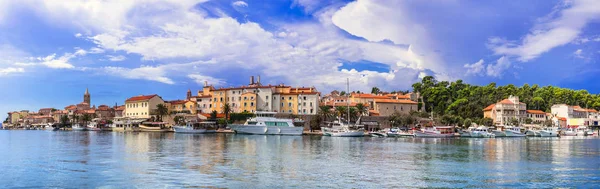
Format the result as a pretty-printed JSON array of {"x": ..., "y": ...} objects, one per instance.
[
  {"x": 137, "y": 145},
  {"x": 204, "y": 152}
]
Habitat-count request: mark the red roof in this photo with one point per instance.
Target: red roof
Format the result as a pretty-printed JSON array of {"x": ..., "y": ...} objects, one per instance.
[
  {"x": 395, "y": 101},
  {"x": 120, "y": 108},
  {"x": 178, "y": 102},
  {"x": 562, "y": 118},
  {"x": 140, "y": 98},
  {"x": 490, "y": 107},
  {"x": 218, "y": 115},
  {"x": 352, "y": 104},
  {"x": 506, "y": 101},
  {"x": 369, "y": 96},
  {"x": 536, "y": 112}
]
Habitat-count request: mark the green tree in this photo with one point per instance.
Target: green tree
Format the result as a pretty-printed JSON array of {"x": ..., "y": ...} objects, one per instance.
[
  {"x": 161, "y": 110},
  {"x": 467, "y": 123},
  {"x": 178, "y": 120},
  {"x": 340, "y": 111},
  {"x": 226, "y": 111},
  {"x": 86, "y": 119},
  {"x": 487, "y": 121},
  {"x": 213, "y": 115},
  {"x": 375, "y": 90},
  {"x": 528, "y": 121},
  {"x": 64, "y": 119},
  {"x": 361, "y": 109},
  {"x": 514, "y": 121}
]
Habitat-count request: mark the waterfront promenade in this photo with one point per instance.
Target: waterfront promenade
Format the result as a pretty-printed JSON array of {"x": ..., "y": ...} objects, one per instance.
[{"x": 157, "y": 160}]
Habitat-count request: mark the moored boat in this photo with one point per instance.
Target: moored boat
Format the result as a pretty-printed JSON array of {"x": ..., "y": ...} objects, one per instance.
[
  {"x": 533, "y": 132},
  {"x": 549, "y": 132},
  {"x": 77, "y": 127},
  {"x": 436, "y": 132},
  {"x": 499, "y": 131},
  {"x": 197, "y": 128},
  {"x": 154, "y": 127},
  {"x": 481, "y": 132},
  {"x": 513, "y": 132},
  {"x": 396, "y": 132},
  {"x": 265, "y": 123}
]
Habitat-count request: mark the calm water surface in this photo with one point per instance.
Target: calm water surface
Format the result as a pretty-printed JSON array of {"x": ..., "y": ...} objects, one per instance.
[{"x": 156, "y": 160}]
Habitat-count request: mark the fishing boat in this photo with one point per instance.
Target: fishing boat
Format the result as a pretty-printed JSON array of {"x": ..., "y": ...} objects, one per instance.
[
  {"x": 533, "y": 132},
  {"x": 154, "y": 127},
  {"x": 77, "y": 127},
  {"x": 396, "y": 132},
  {"x": 339, "y": 129},
  {"x": 436, "y": 132},
  {"x": 467, "y": 132},
  {"x": 265, "y": 123},
  {"x": 481, "y": 132},
  {"x": 513, "y": 132},
  {"x": 499, "y": 131},
  {"x": 549, "y": 132},
  {"x": 197, "y": 128}
]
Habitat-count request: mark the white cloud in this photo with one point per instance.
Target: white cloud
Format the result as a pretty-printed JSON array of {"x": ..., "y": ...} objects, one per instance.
[
  {"x": 150, "y": 73},
  {"x": 78, "y": 35},
  {"x": 496, "y": 70},
  {"x": 476, "y": 68},
  {"x": 200, "y": 79},
  {"x": 117, "y": 58},
  {"x": 240, "y": 4},
  {"x": 10, "y": 70},
  {"x": 309, "y": 5},
  {"x": 552, "y": 31},
  {"x": 578, "y": 53},
  {"x": 96, "y": 50}
]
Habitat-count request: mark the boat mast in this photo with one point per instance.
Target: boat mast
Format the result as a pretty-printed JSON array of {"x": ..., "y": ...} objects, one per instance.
[{"x": 348, "y": 98}]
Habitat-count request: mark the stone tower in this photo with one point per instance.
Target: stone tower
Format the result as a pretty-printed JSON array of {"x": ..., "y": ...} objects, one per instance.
[
  {"x": 189, "y": 94},
  {"x": 86, "y": 96}
]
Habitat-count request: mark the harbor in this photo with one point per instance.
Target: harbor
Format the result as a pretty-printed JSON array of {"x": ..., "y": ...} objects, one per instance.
[{"x": 48, "y": 159}]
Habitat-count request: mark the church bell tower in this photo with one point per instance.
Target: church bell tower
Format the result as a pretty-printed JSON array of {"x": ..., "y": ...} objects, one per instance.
[{"x": 86, "y": 96}]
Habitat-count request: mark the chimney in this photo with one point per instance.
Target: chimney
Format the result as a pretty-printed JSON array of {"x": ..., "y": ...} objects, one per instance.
[
  {"x": 251, "y": 80},
  {"x": 258, "y": 79},
  {"x": 205, "y": 83}
]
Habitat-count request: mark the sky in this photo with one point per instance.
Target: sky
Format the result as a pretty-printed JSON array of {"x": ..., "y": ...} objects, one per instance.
[{"x": 51, "y": 51}]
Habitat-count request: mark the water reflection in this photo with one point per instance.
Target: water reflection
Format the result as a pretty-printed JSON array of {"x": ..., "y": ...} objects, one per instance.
[{"x": 150, "y": 160}]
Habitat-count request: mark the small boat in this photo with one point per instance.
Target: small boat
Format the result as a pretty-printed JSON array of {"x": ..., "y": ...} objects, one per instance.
[
  {"x": 499, "y": 131},
  {"x": 339, "y": 129},
  {"x": 549, "y": 132},
  {"x": 195, "y": 128},
  {"x": 396, "y": 132},
  {"x": 570, "y": 132},
  {"x": 377, "y": 134},
  {"x": 513, "y": 132},
  {"x": 436, "y": 132},
  {"x": 265, "y": 123},
  {"x": 532, "y": 132},
  {"x": 467, "y": 132},
  {"x": 154, "y": 127},
  {"x": 481, "y": 132},
  {"x": 77, "y": 127}
]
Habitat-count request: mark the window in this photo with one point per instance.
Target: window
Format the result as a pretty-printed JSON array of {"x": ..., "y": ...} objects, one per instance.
[
  {"x": 215, "y": 99},
  {"x": 267, "y": 98},
  {"x": 282, "y": 98},
  {"x": 311, "y": 104},
  {"x": 311, "y": 111},
  {"x": 252, "y": 104},
  {"x": 210, "y": 106},
  {"x": 233, "y": 104},
  {"x": 273, "y": 98},
  {"x": 267, "y": 104},
  {"x": 245, "y": 98},
  {"x": 245, "y": 104},
  {"x": 401, "y": 109},
  {"x": 394, "y": 107},
  {"x": 304, "y": 104},
  {"x": 290, "y": 98},
  {"x": 239, "y": 98},
  {"x": 199, "y": 100},
  {"x": 290, "y": 104},
  {"x": 282, "y": 104},
  {"x": 290, "y": 111},
  {"x": 221, "y": 99},
  {"x": 304, "y": 98},
  {"x": 251, "y": 98}
]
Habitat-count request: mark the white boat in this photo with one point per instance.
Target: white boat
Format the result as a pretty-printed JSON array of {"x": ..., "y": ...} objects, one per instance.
[
  {"x": 584, "y": 131},
  {"x": 481, "y": 132},
  {"x": 396, "y": 132},
  {"x": 436, "y": 132},
  {"x": 513, "y": 132},
  {"x": 377, "y": 134},
  {"x": 77, "y": 127},
  {"x": 533, "y": 132},
  {"x": 154, "y": 127},
  {"x": 339, "y": 129},
  {"x": 197, "y": 128},
  {"x": 467, "y": 132},
  {"x": 549, "y": 132},
  {"x": 499, "y": 131},
  {"x": 570, "y": 132},
  {"x": 265, "y": 123}
]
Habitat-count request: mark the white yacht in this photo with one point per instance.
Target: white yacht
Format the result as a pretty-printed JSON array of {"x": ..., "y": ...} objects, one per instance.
[
  {"x": 467, "y": 132},
  {"x": 533, "y": 132},
  {"x": 513, "y": 132},
  {"x": 195, "y": 128},
  {"x": 499, "y": 131},
  {"x": 481, "y": 132},
  {"x": 396, "y": 132},
  {"x": 339, "y": 129},
  {"x": 77, "y": 127},
  {"x": 549, "y": 132},
  {"x": 436, "y": 132},
  {"x": 570, "y": 132},
  {"x": 265, "y": 123}
]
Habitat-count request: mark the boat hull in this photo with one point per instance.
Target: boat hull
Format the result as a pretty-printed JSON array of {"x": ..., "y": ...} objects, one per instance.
[
  {"x": 267, "y": 130},
  {"x": 421, "y": 134},
  {"x": 510, "y": 133},
  {"x": 481, "y": 135},
  {"x": 79, "y": 129},
  {"x": 192, "y": 131},
  {"x": 548, "y": 133},
  {"x": 400, "y": 135},
  {"x": 153, "y": 129},
  {"x": 532, "y": 133},
  {"x": 499, "y": 133},
  {"x": 348, "y": 134}
]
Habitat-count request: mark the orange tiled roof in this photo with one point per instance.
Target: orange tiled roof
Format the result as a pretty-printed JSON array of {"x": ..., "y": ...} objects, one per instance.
[
  {"x": 562, "y": 118},
  {"x": 592, "y": 110},
  {"x": 506, "y": 101},
  {"x": 299, "y": 93},
  {"x": 141, "y": 97},
  {"x": 120, "y": 108},
  {"x": 490, "y": 107},
  {"x": 352, "y": 104},
  {"x": 395, "y": 101},
  {"x": 356, "y": 95},
  {"x": 71, "y": 107},
  {"x": 178, "y": 102},
  {"x": 536, "y": 112},
  {"x": 373, "y": 113},
  {"x": 218, "y": 115}
]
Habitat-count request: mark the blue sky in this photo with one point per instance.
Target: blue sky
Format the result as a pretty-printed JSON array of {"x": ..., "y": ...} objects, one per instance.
[{"x": 50, "y": 51}]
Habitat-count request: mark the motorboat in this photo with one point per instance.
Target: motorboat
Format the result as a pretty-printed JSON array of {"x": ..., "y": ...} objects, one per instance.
[
  {"x": 154, "y": 127},
  {"x": 570, "y": 132},
  {"x": 197, "y": 128},
  {"x": 378, "y": 134},
  {"x": 436, "y": 132},
  {"x": 77, "y": 127},
  {"x": 396, "y": 132},
  {"x": 481, "y": 132},
  {"x": 549, "y": 132},
  {"x": 513, "y": 132},
  {"x": 467, "y": 132},
  {"x": 499, "y": 131},
  {"x": 340, "y": 129},
  {"x": 265, "y": 123},
  {"x": 532, "y": 132}
]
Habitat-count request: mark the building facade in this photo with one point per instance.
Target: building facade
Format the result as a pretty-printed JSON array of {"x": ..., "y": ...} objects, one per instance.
[
  {"x": 142, "y": 106},
  {"x": 537, "y": 116},
  {"x": 506, "y": 110}
]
